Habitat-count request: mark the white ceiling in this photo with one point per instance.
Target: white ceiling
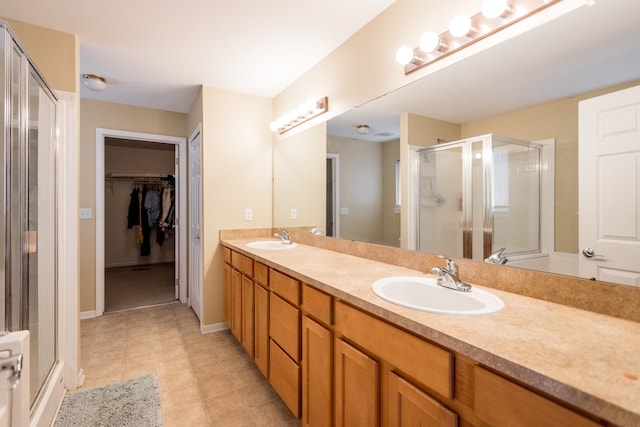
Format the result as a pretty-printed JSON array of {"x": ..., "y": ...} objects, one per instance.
[
  {"x": 156, "y": 53},
  {"x": 589, "y": 48}
]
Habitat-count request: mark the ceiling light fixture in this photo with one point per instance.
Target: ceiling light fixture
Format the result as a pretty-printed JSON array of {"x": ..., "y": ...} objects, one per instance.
[
  {"x": 93, "y": 82},
  {"x": 297, "y": 116},
  {"x": 363, "y": 129},
  {"x": 465, "y": 30}
]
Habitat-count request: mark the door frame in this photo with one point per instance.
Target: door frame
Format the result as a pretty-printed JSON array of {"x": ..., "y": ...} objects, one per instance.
[
  {"x": 335, "y": 169},
  {"x": 181, "y": 177}
]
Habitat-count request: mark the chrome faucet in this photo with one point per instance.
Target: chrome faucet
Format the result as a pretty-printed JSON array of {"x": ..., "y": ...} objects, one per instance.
[
  {"x": 449, "y": 276},
  {"x": 497, "y": 257},
  {"x": 284, "y": 237}
]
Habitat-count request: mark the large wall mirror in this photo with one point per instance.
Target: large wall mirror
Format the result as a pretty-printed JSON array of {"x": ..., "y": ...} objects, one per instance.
[{"x": 517, "y": 100}]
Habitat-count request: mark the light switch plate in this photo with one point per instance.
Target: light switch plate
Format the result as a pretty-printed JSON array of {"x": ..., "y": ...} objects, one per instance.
[
  {"x": 344, "y": 211},
  {"x": 86, "y": 213},
  {"x": 294, "y": 213},
  {"x": 248, "y": 214}
]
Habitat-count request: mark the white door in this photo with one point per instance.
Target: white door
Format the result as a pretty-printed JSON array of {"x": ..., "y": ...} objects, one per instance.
[
  {"x": 195, "y": 224},
  {"x": 609, "y": 194}
]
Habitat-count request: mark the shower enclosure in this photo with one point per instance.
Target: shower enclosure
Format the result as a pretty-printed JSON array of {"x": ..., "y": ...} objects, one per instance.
[
  {"x": 28, "y": 218},
  {"x": 478, "y": 195}
]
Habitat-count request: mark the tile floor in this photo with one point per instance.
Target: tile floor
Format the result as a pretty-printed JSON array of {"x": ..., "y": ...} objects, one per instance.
[{"x": 204, "y": 380}]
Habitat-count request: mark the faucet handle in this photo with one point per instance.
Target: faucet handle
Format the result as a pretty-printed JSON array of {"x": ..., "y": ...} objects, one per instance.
[{"x": 451, "y": 264}]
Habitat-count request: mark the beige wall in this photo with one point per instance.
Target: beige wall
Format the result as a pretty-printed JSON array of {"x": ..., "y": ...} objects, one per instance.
[
  {"x": 55, "y": 53},
  {"x": 97, "y": 114},
  {"x": 237, "y": 157},
  {"x": 299, "y": 169}
]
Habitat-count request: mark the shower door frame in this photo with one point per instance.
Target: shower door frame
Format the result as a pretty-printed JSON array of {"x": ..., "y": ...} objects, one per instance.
[{"x": 546, "y": 185}]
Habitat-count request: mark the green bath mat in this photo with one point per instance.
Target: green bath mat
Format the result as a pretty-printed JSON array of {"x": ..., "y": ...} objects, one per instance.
[{"x": 135, "y": 402}]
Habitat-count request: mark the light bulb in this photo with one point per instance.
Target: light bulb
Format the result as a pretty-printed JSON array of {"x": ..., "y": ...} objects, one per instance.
[
  {"x": 303, "y": 110},
  {"x": 404, "y": 55},
  {"x": 294, "y": 115},
  {"x": 494, "y": 8},
  {"x": 429, "y": 42},
  {"x": 312, "y": 104},
  {"x": 279, "y": 123},
  {"x": 460, "y": 26},
  {"x": 273, "y": 126}
]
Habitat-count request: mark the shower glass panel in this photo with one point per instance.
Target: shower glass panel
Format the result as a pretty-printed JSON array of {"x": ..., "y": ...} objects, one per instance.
[
  {"x": 478, "y": 195},
  {"x": 28, "y": 220},
  {"x": 41, "y": 254},
  {"x": 441, "y": 188},
  {"x": 515, "y": 202}
]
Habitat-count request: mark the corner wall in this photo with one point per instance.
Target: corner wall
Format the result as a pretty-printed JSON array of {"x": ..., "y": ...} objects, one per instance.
[{"x": 237, "y": 158}]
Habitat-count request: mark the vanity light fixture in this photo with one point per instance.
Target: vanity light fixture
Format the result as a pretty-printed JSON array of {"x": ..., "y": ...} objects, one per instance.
[
  {"x": 303, "y": 113},
  {"x": 465, "y": 30},
  {"x": 93, "y": 82}
]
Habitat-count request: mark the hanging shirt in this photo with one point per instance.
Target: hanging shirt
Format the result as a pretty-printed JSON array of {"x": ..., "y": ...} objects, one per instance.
[
  {"x": 133, "y": 216},
  {"x": 152, "y": 205}
]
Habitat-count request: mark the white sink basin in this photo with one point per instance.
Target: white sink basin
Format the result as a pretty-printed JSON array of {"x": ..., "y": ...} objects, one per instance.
[
  {"x": 423, "y": 293},
  {"x": 270, "y": 244}
]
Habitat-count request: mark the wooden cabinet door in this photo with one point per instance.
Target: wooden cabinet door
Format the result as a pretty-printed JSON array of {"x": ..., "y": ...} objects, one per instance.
[
  {"x": 407, "y": 406},
  {"x": 284, "y": 325},
  {"x": 284, "y": 376},
  {"x": 227, "y": 293},
  {"x": 247, "y": 315},
  {"x": 357, "y": 387},
  {"x": 499, "y": 402},
  {"x": 261, "y": 353},
  {"x": 317, "y": 356},
  {"x": 236, "y": 304}
]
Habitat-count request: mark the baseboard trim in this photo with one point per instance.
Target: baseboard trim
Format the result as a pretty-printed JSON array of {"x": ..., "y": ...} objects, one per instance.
[
  {"x": 87, "y": 314},
  {"x": 216, "y": 327}
]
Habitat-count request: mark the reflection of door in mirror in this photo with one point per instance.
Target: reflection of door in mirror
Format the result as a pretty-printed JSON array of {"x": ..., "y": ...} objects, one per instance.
[
  {"x": 478, "y": 195},
  {"x": 609, "y": 190},
  {"x": 333, "y": 184}
]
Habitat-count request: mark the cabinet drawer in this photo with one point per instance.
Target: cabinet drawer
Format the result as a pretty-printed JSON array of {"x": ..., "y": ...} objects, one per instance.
[
  {"x": 317, "y": 303},
  {"x": 227, "y": 255},
  {"x": 284, "y": 376},
  {"x": 285, "y": 286},
  {"x": 284, "y": 325},
  {"x": 500, "y": 402},
  {"x": 428, "y": 364},
  {"x": 242, "y": 263},
  {"x": 261, "y": 273}
]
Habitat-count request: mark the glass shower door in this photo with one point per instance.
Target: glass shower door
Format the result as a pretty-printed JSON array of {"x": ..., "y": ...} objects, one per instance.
[
  {"x": 442, "y": 226},
  {"x": 41, "y": 236}
]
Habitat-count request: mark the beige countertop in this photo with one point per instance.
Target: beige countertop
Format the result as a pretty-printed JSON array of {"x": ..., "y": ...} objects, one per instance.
[{"x": 589, "y": 360}]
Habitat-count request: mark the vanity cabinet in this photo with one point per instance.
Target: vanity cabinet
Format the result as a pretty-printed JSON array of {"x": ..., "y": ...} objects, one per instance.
[
  {"x": 334, "y": 364},
  {"x": 381, "y": 376},
  {"x": 284, "y": 334},
  {"x": 407, "y": 405},
  {"x": 500, "y": 402},
  {"x": 261, "y": 317},
  {"x": 317, "y": 358},
  {"x": 357, "y": 387}
]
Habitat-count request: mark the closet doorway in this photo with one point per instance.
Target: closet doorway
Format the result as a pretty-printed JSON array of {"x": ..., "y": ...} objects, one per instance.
[{"x": 140, "y": 242}]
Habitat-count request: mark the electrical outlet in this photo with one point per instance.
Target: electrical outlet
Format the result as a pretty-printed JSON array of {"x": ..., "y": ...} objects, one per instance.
[
  {"x": 344, "y": 211},
  {"x": 248, "y": 214},
  {"x": 294, "y": 213},
  {"x": 86, "y": 213}
]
